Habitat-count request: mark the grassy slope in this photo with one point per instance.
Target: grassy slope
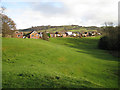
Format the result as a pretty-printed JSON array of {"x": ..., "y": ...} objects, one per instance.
[
  {"x": 81, "y": 30},
  {"x": 61, "y": 29},
  {"x": 61, "y": 63}
]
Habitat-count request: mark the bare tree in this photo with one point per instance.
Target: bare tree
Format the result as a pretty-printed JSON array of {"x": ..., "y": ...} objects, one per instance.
[
  {"x": 108, "y": 24},
  {"x": 2, "y": 9}
]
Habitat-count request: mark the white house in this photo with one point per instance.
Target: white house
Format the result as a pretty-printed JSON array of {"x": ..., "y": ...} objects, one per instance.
[
  {"x": 74, "y": 34},
  {"x": 69, "y": 33},
  {"x": 58, "y": 35}
]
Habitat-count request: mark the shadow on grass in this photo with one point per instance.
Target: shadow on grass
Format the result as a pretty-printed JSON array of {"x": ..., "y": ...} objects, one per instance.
[{"x": 89, "y": 46}]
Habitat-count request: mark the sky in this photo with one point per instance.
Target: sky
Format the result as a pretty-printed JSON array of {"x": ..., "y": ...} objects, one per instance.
[{"x": 28, "y": 13}]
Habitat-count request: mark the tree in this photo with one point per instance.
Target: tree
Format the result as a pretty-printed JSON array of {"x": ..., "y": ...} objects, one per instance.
[
  {"x": 45, "y": 36},
  {"x": 111, "y": 38},
  {"x": 108, "y": 24},
  {"x": 8, "y": 25}
]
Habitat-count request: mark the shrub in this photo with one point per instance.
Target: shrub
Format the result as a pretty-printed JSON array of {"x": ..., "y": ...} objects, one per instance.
[
  {"x": 48, "y": 34},
  {"x": 111, "y": 39},
  {"x": 45, "y": 36},
  {"x": 103, "y": 43}
]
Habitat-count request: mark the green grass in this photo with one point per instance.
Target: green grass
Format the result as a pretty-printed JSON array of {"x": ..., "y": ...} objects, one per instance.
[
  {"x": 58, "y": 63},
  {"x": 82, "y": 30}
]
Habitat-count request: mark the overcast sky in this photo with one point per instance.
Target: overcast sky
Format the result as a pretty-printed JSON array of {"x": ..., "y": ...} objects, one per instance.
[{"x": 28, "y": 13}]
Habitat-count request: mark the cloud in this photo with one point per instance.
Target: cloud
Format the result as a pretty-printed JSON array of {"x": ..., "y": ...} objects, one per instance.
[
  {"x": 50, "y": 8},
  {"x": 62, "y": 12}
]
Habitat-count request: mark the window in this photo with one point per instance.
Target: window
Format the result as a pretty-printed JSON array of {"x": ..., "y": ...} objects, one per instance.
[
  {"x": 32, "y": 35},
  {"x": 18, "y": 35}
]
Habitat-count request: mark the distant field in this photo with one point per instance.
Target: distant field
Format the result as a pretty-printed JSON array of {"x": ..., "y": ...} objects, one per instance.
[
  {"x": 81, "y": 30},
  {"x": 58, "y": 63},
  {"x": 62, "y": 29}
]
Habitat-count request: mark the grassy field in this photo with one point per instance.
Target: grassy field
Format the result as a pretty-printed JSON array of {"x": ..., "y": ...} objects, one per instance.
[
  {"x": 81, "y": 30},
  {"x": 58, "y": 63}
]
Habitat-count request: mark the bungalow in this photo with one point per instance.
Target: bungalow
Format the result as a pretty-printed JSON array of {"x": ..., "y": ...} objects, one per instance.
[
  {"x": 34, "y": 35},
  {"x": 18, "y": 34}
]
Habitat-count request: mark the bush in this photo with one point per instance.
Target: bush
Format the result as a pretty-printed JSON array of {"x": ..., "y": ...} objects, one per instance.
[
  {"x": 48, "y": 35},
  {"x": 103, "y": 43},
  {"x": 45, "y": 36},
  {"x": 111, "y": 39}
]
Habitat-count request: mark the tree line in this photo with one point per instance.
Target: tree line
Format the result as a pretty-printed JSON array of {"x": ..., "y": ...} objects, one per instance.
[{"x": 110, "y": 39}]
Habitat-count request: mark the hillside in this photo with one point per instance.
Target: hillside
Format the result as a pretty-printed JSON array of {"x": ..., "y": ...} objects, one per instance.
[
  {"x": 73, "y": 28},
  {"x": 58, "y": 63}
]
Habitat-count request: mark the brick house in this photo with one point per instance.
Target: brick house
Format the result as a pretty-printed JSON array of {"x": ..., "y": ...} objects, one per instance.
[
  {"x": 34, "y": 35},
  {"x": 18, "y": 34},
  {"x": 52, "y": 35}
]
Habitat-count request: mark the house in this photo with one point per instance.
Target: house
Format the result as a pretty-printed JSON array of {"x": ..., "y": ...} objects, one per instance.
[
  {"x": 74, "y": 35},
  {"x": 77, "y": 33},
  {"x": 85, "y": 34},
  {"x": 58, "y": 34},
  {"x": 34, "y": 35},
  {"x": 93, "y": 33},
  {"x": 62, "y": 34},
  {"x": 18, "y": 34},
  {"x": 99, "y": 33},
  {"x": 52, "y": 35},
  {"x": 89, "y": 33},
  {"x": 69, "y": 33}
]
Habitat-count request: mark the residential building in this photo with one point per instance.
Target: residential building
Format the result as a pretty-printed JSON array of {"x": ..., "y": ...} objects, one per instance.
[
  {"x": 69, "y": 33},
  {"x": 34, "y": 35},
  {"x": 18, "y": 34}
]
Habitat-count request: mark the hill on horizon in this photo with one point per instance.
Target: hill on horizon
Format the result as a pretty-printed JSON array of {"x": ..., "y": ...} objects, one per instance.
[{"x": 73, "y": 28}]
